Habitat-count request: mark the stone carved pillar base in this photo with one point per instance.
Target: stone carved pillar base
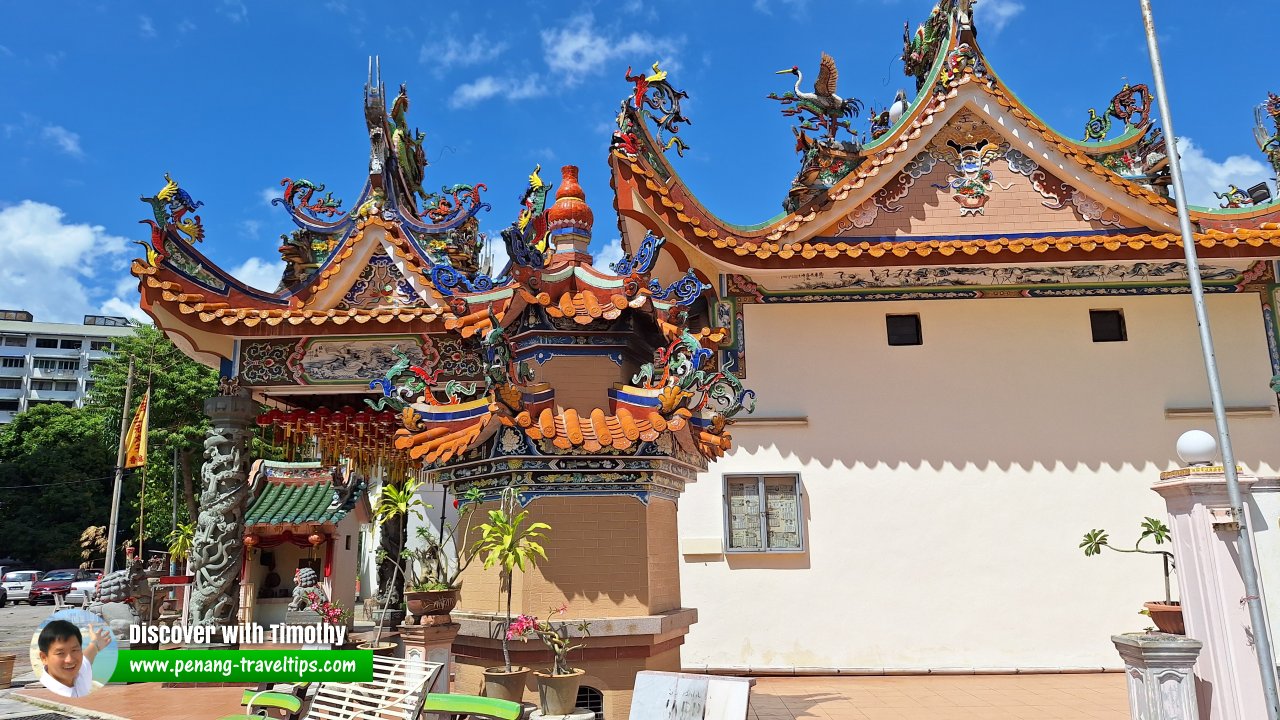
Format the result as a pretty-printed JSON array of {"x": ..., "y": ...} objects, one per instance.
[
  {"x": 1158, "y": 669},
  {"x": 217, "y": 550}
]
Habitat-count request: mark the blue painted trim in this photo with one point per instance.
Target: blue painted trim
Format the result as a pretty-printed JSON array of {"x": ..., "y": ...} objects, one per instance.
[
  {"x": 433, "y": 416},
  {"x": 632, "y": 399}
]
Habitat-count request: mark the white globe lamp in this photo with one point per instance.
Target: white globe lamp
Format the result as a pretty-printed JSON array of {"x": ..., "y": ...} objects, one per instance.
[{"x": 1197, "y": 447}]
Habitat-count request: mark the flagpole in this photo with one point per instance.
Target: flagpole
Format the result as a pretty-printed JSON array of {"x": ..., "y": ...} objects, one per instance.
[
  {"x": 1248, "y": 570},
  {"x": 114, "y": 523},
  {"x": 173, "y": 564}
]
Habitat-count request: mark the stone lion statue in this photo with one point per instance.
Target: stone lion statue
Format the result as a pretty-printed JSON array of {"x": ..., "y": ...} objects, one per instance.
[{"x": 305, "y": 582}]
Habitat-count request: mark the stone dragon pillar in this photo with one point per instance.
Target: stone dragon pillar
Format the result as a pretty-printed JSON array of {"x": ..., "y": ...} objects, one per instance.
[{"x": 217, "y": 550}]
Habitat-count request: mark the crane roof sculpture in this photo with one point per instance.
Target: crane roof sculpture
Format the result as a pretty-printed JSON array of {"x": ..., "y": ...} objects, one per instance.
[{"x": 826, "y": 109}]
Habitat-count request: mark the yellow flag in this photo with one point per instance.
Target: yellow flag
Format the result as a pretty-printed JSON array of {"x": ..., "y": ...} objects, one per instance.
[{"x": 135, "y": 443}]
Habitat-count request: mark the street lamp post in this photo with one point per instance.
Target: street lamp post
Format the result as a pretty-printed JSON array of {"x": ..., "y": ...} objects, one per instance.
[{"x": 1253, "y": 597}]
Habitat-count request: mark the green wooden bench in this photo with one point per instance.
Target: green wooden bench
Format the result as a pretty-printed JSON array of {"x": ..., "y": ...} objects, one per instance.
[
  {"x": 268, "y": 700},
  {"x": 472, "y": 705}
]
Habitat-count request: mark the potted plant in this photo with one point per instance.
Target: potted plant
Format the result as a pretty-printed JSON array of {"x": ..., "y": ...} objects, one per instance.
[
  {"x": 1166, "y": 615},
  {"x": 557, "y": 690},
  {"x": 511, "y": 543},
  {"x": 431, "y": 588}
]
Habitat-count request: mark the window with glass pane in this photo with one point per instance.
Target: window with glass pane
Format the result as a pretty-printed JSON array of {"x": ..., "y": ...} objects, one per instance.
[
  {"x": 763, "y": 513},
  {"x": 15, "y": 341},
  {"x": 13, "y": 362},
  {"x": 744, "y": 514}
]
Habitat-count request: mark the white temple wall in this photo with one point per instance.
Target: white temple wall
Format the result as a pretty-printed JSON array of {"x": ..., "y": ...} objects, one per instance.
[{"x": 946, "y": 487}]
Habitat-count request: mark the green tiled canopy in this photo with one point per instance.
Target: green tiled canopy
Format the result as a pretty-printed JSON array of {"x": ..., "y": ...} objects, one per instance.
[{"x": 285, "y": 503}]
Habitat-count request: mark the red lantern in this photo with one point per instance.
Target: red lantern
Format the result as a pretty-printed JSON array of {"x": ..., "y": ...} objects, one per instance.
[
  {"x": 315, "y": 539},
  {"x": 251, "y": 540}
]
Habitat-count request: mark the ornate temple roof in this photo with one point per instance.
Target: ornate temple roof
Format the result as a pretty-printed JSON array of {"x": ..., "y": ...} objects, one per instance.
[
  {"x": 1099, "y": 195},
  {"x": 401, "y": 284},
  {"x": 301, "y": 495}
]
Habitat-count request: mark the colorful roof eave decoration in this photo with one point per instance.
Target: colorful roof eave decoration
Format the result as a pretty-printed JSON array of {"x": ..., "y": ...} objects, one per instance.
[
  {"x": 680, "y": 392},
  {"x": 164, "y": 284},
  {"x": 671, "y": 202}
]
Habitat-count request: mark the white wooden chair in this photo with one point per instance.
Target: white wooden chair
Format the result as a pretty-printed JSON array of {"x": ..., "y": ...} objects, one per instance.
[{"x": 397, "y": 692}]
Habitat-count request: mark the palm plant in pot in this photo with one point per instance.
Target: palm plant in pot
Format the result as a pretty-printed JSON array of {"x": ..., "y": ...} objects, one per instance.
[
  {"x": 395, "y": 505},
  {"x": 558, "y": 689},
  {"x": 511, "y": 543},
  {"x": 431, "y": 587},
  {"x": 1166, "y": 615}
]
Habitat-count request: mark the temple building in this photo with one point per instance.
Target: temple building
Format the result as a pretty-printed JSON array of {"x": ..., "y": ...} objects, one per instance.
[
  {"x": 968, "y": 339},
  {"x": 972, "y": 343}
]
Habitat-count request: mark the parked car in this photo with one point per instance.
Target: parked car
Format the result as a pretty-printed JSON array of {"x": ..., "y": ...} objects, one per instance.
[
  {"x": 83, "y": 590},
  {"x": 17, "y": 584},
  {"x": 55, "y": 582},
  {"x": 4, "y": 596}
]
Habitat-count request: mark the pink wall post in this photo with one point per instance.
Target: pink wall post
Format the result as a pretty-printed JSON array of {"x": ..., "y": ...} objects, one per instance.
[{"x": 1205, "y": 540}]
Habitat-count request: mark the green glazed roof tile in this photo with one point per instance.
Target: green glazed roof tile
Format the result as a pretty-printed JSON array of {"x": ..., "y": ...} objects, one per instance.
[{"x": 282, "y": 503}]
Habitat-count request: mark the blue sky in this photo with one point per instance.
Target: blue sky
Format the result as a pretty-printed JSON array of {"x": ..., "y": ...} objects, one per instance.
[{"x": 230, "y": 96}]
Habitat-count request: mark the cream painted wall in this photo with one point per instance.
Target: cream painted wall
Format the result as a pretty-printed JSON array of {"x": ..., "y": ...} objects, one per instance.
[{"x": 947, "y": 486}]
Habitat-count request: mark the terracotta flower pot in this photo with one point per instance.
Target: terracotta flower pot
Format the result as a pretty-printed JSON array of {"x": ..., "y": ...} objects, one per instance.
[
  {"x": 6, "y": 669},
  {"x": 558, "y": 694},
  {"x": 430, "y": 602},
  {"x": 1167, "y": 617},
  {"x": 503, "y": 685},
  {"x": 381, "y": 649}
]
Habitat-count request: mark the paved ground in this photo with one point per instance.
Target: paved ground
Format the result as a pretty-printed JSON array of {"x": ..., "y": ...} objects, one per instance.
[
  {"x": 954, "y": 697},
  {"x": 17, "y": 624},
  {"x": 942, "y": 697},
  {"x": 1099, "y": 696}
]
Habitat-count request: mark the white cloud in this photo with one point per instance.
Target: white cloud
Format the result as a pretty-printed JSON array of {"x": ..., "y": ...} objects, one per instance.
[
  {"x": 270, "y": 194},
  {"x": 250, "y": 228},
  {"x": 186, "y": 26},
  {"x": 1201, "y": 176},
  {"x": 611, "y": 253},
  {"x": 67, "y": 141},
  {"x": 455, "y": 53},
  {"x": 145, "y": 27},
  {"x": 473, "y": 92},
  {"x": 233, "y": 10},
  {"x": 259, "y": 273},
  {"x": 49, "y": 267},
  {"x": 995, "y": 14},
  {"x": 578, "y": 49},
  {"x": 796, "y": 6},
  {"x": 488, "y": 86},
  {"x": 122, "y": 308},
  {"x": 5, "y": 51}
]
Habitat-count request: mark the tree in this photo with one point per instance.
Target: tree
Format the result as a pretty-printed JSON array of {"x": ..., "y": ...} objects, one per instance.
[
  {"x": 507, "y": 542},
  {"x": 179, "y": 387},
  {"x": 56, "y": 474}
]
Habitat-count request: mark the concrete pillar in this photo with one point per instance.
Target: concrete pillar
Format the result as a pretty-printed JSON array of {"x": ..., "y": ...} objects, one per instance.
[
  {"x": 1228, "y": 686},
  {"x": 1263, "y": 505},
  {"x": 1157, "y": 667},
  {"x": 431, "y": 643}
]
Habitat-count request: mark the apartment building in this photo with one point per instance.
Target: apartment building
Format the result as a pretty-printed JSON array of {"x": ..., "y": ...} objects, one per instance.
[{"x": 51, "y": 362}]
